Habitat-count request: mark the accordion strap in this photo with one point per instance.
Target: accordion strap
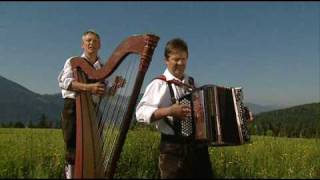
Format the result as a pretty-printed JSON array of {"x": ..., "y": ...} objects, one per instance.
[
  {"x": 90, "y": 64},
  {"x": 176, "y": 126},
  {"x": 190, "y": 86},
  {"x": 173, "y": 126}
]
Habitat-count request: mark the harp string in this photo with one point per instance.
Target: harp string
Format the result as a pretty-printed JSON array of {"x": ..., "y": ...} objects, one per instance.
[
  {"x": 106, "y": 105},
  {"x": 97, "y": 110},
  {"x": 99, "y": 113},
  {"x": 107, "y": 99},
  {"x": 92, "y": 125},
  {"x": 111, "y": 109},
  {"x": 113, "y": 123},
  {"x": 108, "y": 119},
  {"x": 101, "y": 108},
  {"x": 101, "y": 129},
  {"x": 116, "y": 126},
  {"x": 117, "y": 134},
  {"x": 98, "y": 107},
  {"x": 110, "y": 100},
  {"x": 109, "y": 103}
]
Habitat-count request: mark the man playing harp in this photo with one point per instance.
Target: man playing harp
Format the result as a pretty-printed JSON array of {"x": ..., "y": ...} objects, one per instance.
[{"x": 69, "y": 88}]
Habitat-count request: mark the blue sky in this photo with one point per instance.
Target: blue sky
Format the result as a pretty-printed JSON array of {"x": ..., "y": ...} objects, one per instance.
[{"x": 271, "y": 49}]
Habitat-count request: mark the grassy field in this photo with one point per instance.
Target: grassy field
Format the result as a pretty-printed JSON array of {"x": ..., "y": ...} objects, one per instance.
[
  {"x": 31, "y": 153},
  {"x": 38, "y": 153}
]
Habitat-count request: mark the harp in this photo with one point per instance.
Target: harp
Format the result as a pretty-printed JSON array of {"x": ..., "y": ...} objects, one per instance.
[{"x": 103, "y": 122}]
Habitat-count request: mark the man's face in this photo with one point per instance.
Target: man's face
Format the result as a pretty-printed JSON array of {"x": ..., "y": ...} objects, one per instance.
[
  {"x": 90, "y": 44},
  {"x": 177, "y": 62}
]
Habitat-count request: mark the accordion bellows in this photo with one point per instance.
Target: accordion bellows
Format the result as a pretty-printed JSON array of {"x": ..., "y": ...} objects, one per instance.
[{"x": 219, "y": 117}]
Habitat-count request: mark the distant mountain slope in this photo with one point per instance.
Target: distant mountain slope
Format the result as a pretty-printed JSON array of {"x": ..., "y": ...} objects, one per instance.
[
  {"x": 17, "y": 103},
  {"x": 20, "y": 104},
  {"x": 303, "y": 112},
  {"x": 256, "y": 109},
  {"x": 297, "y": 121}
]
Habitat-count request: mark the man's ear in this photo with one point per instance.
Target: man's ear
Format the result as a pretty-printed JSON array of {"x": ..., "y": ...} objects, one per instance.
[
  {"x": 82, "y": 45},
  {"x": 166, "y": 61},
  {"x": 99, "y": 45}
]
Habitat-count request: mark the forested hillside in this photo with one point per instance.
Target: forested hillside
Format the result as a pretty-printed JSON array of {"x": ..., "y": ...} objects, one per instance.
[{"x": 297, "y": 121}]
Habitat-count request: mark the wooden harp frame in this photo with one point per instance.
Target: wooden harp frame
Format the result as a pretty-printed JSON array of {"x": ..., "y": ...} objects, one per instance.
[{"x": 86, "y": 166}]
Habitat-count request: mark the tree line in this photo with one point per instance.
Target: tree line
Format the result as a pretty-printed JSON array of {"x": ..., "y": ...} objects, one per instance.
[
  {"x": 298, "y": 121},
  {"x": 42, "y": 122}
]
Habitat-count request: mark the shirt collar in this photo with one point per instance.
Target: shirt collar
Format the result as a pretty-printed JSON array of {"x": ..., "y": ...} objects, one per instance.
[
  {"x": 169, "y": 76},
  {"x": 97, "y": 64}
]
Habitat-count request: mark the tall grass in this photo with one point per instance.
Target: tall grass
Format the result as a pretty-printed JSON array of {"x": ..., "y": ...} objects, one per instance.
[
  {"x": 38, "y": 153},
  {"x": 31, "y": 153},
  {"x": 139, "y": 157},
  {"x": 269, "y": 157}
]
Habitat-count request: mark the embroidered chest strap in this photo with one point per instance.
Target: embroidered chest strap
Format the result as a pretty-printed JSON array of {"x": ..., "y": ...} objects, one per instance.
[{"x": 176, "y": 126}]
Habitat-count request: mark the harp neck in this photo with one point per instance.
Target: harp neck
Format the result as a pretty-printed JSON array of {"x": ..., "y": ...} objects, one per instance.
[{"x": 143, "y": 45}]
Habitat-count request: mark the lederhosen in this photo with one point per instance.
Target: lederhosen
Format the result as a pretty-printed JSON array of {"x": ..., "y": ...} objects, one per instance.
[
  {"x": 68, "y": 125},
  {"x": 182, "y": 157}
]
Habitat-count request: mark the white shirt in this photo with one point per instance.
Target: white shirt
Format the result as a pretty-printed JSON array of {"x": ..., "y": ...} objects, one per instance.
[
  {"x": 66, "y": 77},
  {"x": 157, "y": 95}
]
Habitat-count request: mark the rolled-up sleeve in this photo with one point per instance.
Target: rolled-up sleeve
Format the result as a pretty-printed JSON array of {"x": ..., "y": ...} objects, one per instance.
[
  {"x": 150, "y": 101},
  {"x": 66, "y": 76}
]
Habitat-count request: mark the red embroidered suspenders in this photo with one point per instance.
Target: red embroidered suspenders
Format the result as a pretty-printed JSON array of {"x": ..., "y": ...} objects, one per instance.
[{"x": 176, "y": 126}]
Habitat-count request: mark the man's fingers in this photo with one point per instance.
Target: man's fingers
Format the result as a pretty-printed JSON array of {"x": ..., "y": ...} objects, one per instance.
[
  {"x": 186, "y": 108},
  {"x": 101, "y": 85},
  {"x": 101, "y": 90}
]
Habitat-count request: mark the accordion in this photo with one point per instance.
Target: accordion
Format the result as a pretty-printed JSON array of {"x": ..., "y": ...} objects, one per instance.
[{"x": 218, "y": 116}]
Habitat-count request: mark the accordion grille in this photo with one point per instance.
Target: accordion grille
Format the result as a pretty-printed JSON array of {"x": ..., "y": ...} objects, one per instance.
[{"x": 186, "y": 124}]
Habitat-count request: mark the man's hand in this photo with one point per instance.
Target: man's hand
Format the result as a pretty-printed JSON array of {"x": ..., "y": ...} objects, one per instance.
[
  {"x": 251, "y": 117},
  {"x": 180, "y": 111},
  {"x": 96, "y": 88},
  {"x": 177, "y": 110}
]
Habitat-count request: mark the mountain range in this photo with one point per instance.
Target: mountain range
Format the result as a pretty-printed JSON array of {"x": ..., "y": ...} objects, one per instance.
[
  {"x": 20, "y": 104},
  {"x": 256, "y": 109},
  {"x": 296, "y": 121}
]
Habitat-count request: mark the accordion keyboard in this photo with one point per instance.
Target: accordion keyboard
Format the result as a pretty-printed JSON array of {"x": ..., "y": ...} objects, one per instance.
[
  {"x": 242, "y": 114},
  {"x": 186, "y": 124}
]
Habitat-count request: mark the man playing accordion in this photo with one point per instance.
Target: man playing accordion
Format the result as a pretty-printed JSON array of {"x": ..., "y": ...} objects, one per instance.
[{"x": 180, "y": 156}]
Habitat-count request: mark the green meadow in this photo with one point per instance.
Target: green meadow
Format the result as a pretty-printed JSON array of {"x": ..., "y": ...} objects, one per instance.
[{"x": 38, "y": 153}]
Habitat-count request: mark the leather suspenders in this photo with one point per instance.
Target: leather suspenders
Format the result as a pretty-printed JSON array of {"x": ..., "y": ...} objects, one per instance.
[{"x": 176, "y": 126}]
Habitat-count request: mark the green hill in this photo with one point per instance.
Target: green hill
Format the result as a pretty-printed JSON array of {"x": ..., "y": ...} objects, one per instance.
[
  {"x": 297, "y": 121},
  {"x": 20, "y": 104}
]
